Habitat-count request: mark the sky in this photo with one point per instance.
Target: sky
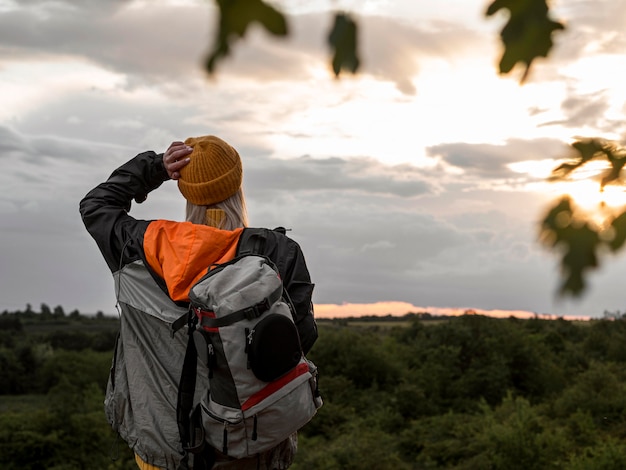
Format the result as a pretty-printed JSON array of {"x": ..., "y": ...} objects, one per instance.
[{"x": 415, "y": 185}]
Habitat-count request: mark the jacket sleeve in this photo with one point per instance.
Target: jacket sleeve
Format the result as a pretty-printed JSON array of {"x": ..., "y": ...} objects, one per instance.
[
  {"x": 105, "y": 208},
  {"x": 300, "y": 289},
  {"x": 289, "y": 259}
]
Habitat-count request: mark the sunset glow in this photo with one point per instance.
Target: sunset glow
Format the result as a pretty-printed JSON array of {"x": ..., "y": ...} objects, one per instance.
[{"x": 329, "y": 311}]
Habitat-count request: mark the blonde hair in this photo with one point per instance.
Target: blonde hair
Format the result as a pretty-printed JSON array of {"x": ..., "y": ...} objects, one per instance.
[{"x": 233, "y": 209}]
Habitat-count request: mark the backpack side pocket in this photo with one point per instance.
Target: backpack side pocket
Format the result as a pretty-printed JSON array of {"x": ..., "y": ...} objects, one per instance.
[{"x": 273, "y": 347}]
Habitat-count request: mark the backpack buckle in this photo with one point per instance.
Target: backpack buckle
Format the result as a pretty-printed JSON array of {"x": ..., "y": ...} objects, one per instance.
[{"x": 251, "y": 313}]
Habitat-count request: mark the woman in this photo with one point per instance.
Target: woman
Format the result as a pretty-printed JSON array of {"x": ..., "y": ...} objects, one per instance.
[{"x": 154, "y": 263}]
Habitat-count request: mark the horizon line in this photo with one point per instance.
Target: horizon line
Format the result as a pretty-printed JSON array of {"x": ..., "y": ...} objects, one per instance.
[{"x": 397, "y": 308}]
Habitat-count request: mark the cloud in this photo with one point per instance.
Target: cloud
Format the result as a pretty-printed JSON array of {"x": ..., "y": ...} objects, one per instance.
[
  {"x": 99, "y": 82},
  {"x": 392, "y": 49},
  {"x": 363, "y": 175},
  {"x": 584, "y": 110},
  {"x": 145, "y": 43},
  {"x": 590, "y": 29},
  {"x": 11, "y": 143},
  {"x": 148, "y": 45},
  {"x": 491, "y": 161},
  {"x": 387, "y": 249},
  {"x": 45, "y": 165}
]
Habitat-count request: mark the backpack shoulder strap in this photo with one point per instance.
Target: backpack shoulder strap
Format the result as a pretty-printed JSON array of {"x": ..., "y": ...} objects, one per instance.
[
  {"x": 186, "y": 388},
  {"x": 253, "y": 240},
  {"x": 188, "y": 417}
]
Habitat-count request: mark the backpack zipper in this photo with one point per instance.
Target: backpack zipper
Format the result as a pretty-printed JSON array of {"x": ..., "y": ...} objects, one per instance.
[
  {"x": 211, "y": 359},
  {"x": 249, "y": 334}
]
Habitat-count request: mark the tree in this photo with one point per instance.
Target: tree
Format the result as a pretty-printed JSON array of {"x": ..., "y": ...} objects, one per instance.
[
  {"x": 59, "y": 312},
  {"x": 45, "y": 311}
]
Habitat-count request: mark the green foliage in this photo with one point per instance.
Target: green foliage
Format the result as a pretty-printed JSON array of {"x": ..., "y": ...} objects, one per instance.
[
  {"x": 66, "y": 432},
  {"x": 79, "y": 368},
  {"x": 360, "y": 357},
  {"x": 473, "y": 392},
  {"x": 578, "y": 242},
  {"x": 607, "y": 455},
  {"x": 587, "y": 150},
  {"x": 528, "y": 33},
  {"x": 526, "y": 36},
  {"x": 54, "y": 418},
  {"x": 599, "y": 392},
  {"x": 519, "y": 437},
  {"x": 571, "y": 232},
  {"x": 343, "y": 40},
  {"x": 457, "y": 393},
  {"x": 235, "y": 16}
]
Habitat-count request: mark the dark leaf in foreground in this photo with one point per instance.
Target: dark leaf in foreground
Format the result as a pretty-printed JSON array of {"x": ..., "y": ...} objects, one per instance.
[
  {"x": 235, "y": 18},
  {"x": 577, "y": 242},
  {"x": 528, "y": 33},
  {"x": 343, "y": 40}
]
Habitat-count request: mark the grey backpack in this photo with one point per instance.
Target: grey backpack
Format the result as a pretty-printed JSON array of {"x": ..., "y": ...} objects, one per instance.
[{"x": 261, "y": 386}]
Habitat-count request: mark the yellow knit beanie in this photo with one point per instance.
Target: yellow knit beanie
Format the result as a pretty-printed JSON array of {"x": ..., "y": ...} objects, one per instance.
[{"x": 214, "y": 172}]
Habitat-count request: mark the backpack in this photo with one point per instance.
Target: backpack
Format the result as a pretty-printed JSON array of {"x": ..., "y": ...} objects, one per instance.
[{"x": 262, "y": 388}]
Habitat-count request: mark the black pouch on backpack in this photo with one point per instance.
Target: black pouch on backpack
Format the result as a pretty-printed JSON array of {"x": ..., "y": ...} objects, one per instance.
[{"x": 273, "y": 347}]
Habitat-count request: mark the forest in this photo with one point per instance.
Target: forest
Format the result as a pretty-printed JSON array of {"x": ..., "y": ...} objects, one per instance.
[{"x": 415, "y": 392}]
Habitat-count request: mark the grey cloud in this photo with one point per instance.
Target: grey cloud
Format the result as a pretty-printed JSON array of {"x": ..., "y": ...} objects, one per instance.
[
  {"x": 391, "y": 49},
  {"x": 45, "y": 149},
  {"x": 118, "y": 127},
  {"x": 70, "y": 5},
  {"x": 11, "y": 142},
  {"x": 150, "y": 44},
  {"x": 600, "y": 23},
  {"x": 490, "y": 161},
  {"x": 147, "y": 44},
  {"x": 384, "y": 253},
  {"x": 45, "y": 166},
  {"x": 584, "y": 110},
  {"x": 357, "y": 245},
  {"x": 48, "y": 256},
  {"x": 364, "y": 175}
]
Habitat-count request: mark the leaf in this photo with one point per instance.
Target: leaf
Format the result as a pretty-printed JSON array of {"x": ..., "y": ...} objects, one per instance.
[
  {"x": 619, "y": 227},
  {"x": 556, "y": 219},
  {"x": 585, "y": 150},
  {"x": 617, "y": 158},
  {"x": 528, "y": 33},
  {"x": 343, "y": 39},
  {"x": 235, "y": 16},
  {"x": 578, "y": 241},
  {"x": 582, "y": 243}
]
